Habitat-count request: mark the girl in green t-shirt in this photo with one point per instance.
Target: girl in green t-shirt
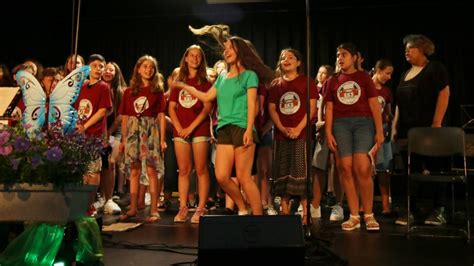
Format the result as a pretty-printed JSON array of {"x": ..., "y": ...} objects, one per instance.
[{"x": 236, "y": 93}]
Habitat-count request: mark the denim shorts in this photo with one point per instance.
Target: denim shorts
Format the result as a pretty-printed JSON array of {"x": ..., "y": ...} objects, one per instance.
[
  {"x": 385, "y": 153},
  {"x": 354, "y": 135},
  {"x": 267, "y": 139},
  {"x": 384, "y": 157},
  {"x": 190, "y": 140}
]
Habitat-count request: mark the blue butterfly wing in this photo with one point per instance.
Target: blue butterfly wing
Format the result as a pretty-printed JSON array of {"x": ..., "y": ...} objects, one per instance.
[
  {"x": 63, "y": 97},
  {"x": 34, "y": 98}
]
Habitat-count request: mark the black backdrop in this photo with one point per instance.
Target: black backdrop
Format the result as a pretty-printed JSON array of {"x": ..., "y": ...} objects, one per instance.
[{"x": 124, "y": 30}]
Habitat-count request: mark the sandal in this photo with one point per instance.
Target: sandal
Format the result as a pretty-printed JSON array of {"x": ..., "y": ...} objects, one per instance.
[
  {"x": 352, "y": 223},
  {"x": 370, "y": 223},
  {"x": 153, "y": 217},
  {"x": 182, "y": 215},
  {"x": 127, "y": 216}
]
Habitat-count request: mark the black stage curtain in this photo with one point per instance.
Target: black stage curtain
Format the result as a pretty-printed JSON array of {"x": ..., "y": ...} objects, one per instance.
[{"x": 122, "y": 32}]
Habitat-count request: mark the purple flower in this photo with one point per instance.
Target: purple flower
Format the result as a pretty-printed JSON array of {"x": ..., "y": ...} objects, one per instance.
[
  {"x": 4, "y": 137},
  {"x": 54, "y": 154},
  {"x": 6, "y": 150},
  {"x": 47, "y": 155},
  {"x": 35, "y": 161},
  {"x": 15, "y": 163},
  {"x": 21, "y": 144}
]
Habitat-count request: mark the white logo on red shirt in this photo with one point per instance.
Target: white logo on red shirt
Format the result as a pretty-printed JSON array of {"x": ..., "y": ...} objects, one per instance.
[
  {"x": 85, "y": 109},
  {"x": 186, "y": 100},
  {"x": 289, "y": 103},
  {"x": 141, "y": 104},
  {"x": 349, "y": 92}
]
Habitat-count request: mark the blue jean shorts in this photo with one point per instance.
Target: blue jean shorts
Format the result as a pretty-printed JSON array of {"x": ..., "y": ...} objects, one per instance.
[
  {"x": 267, "y": 139},
  {"x": 354, "y": 135},
  {"x": 385, "y": 153}
]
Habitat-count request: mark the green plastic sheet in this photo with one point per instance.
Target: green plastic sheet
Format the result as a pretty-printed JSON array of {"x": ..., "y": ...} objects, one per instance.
[
  {"x": 89, "y": 247},
  {"x": 40, "y": 242},
  {"x": 37, "y": 245}
]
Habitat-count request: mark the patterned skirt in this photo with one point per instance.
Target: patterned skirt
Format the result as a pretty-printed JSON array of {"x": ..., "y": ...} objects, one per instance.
[
  {"x": 143, "y": 143},
  {"x": 289, "y": 167}
]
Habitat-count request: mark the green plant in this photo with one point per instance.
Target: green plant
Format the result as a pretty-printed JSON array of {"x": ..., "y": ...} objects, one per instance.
[{"x": 49, "y": 157}]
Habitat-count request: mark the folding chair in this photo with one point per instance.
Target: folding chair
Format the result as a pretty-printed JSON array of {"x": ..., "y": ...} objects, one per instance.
[
  {"x": 438, "y": 142},
  {"x": 468, "y": 111}
]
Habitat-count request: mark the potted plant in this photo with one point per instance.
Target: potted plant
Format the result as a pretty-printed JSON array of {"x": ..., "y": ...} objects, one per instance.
[{"x": 41, "y": 176}]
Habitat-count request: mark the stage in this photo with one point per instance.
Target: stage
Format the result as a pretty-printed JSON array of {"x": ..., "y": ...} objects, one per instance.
[{"x": 167, "y": 243}]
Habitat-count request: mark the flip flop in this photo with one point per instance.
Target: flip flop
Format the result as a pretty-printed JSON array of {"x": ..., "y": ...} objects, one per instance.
[{"x": 153, "y": 218}]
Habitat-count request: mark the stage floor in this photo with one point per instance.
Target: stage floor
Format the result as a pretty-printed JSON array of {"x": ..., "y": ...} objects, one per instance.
[{"x": 168, "y": 243}]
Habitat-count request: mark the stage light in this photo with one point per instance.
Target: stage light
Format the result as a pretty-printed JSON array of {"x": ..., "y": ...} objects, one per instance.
[{"x": 59, "y": 263}]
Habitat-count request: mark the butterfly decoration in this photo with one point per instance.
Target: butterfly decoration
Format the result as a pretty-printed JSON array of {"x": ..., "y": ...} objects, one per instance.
[{"x": 55, "y": 109}]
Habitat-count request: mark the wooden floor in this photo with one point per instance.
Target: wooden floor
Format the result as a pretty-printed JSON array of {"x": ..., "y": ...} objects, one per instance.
[{"x": 167, "y": 243}]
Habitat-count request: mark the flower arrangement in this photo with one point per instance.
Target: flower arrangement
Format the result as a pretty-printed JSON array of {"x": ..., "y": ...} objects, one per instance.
[{"x": 49, "y": 157}]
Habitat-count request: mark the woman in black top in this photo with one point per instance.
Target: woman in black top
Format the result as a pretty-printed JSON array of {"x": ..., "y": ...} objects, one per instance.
[{"x": 422, "y": 98}]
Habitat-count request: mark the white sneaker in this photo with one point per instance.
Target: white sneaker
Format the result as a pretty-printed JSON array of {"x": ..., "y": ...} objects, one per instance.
[
  {"x": 271, "y": 211},
  {"x": 192, "y": 205},
  {"x": 277, "y": 200},
  {"x": 337, "y": 213},
  {"x": 110, "y": 207},
  {"x": 99, "y": 204},
  {"x": 315, "y": 212},
  {"x": 300, "y": 210}
]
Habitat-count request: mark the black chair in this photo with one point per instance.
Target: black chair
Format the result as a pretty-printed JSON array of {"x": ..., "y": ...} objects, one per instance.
[{"x": 438, "y": 142}]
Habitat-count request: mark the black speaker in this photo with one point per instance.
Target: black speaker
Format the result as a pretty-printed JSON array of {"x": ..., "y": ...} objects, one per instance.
[{"x": 250, "y": 240}]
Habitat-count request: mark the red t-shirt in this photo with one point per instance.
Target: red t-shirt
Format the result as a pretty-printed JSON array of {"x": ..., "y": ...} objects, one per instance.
[
  {"x": 21, "y": 105},
  {"x": 384, "y": 97},
  {"x": 144, "y": 104},
  {"x": 189, "y": 107},
  {"x": 90, "y": 100},
  {"x": 289, "y": 98},
  {"x": 350, "y": 94}
]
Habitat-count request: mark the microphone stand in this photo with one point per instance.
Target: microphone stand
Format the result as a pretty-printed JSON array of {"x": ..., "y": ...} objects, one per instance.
[
  {"x": 307, "y": 227},
  {"x": 76, "y": 13}
]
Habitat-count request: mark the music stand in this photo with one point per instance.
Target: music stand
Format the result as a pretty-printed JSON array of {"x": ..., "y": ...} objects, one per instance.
[
  {"x": 467, "y": 118},
  {"x": 9, "y": 97}
]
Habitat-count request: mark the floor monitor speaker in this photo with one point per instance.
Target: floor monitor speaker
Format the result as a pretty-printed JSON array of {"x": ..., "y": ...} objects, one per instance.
[{"x": 250, "y": 240}]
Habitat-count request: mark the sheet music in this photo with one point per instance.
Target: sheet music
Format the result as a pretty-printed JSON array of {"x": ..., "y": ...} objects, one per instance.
[{"x": 6, "y": 97}]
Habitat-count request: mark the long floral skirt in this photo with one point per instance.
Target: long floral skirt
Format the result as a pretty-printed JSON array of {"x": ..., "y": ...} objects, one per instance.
[
  {"x": 289, "y": 168},
  {"x": 143, "y": 143}
]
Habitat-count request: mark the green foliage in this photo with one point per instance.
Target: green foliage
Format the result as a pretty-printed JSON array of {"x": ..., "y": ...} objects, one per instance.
[{"x": 49, "y": 157}]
